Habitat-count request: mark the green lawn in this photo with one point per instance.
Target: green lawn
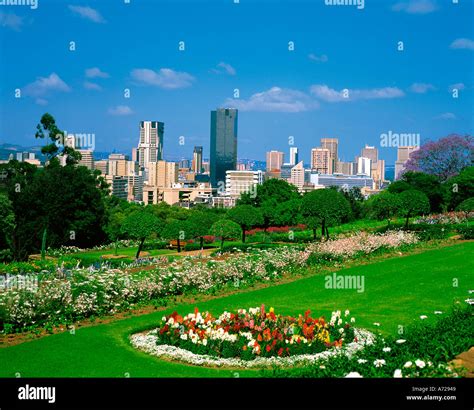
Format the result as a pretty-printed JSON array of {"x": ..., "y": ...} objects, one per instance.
[{"x": 397, "y": 292}]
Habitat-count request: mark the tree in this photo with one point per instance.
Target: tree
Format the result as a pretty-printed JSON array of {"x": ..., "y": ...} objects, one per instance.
[
  {"x": 57, "y": 206},
  {"x": 413, "y": 203},
  {"x": 140, "y": 225},
  {"x": 47, "y": 128},
  {"x": 177, "y": 230},
  {"x": 287, "y": 213},
  {"x": 428, "y": 184},
  {"x": 7, "y": 226},
  {"x": 313, "y": 222},
  {"x": 384, "y": 205},
  {"x": 355, "y": 198},
  {"x": 459, "y": 188},
  {"x": 246, "y": 216},
  {"x": 274, "y": 189},
  {"x": 444, "y": 158},
  {"x": 225, "y": 229},
  {"x": 466, "y": 206},
  {"x": 327, "y": 205},
  {"x": 199, "y": 224}
]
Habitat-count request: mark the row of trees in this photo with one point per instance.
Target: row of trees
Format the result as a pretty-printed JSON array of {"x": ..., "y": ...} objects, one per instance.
[{"x": 70, "y": 205}]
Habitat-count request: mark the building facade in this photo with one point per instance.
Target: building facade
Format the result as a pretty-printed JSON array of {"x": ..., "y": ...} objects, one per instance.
[
  {"x": 223, "y": 143},
  {"x": 321, "y": 160},
  {"x": 150, "y": 147}
]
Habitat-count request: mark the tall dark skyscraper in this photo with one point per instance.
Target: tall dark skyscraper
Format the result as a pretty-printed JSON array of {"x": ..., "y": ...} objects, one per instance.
[{"x": 223, "y": 143}]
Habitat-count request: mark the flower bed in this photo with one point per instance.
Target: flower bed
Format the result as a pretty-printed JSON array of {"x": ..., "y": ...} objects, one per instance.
[
  {"x": 252, "y": 338},
  {"x": 364, "y": 243},
  {"x": 445, "y": 218},
  {"x": 66, "y": 296}
]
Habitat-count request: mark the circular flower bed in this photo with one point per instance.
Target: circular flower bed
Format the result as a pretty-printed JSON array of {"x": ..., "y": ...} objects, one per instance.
[{"x": 253, "y": 338}]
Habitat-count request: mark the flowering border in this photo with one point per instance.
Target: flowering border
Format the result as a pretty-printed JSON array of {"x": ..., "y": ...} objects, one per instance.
[{"x": 147, "y": 342}]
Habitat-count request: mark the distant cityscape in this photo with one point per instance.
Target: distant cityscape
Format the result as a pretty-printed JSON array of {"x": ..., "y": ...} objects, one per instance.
[{"x": 220, "y": 178}]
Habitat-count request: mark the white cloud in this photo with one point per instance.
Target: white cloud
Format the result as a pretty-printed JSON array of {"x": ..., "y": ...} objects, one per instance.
[
  {"x": 320, "y": 59},
  {"x": 11, "y": 20},
  {"x": 462, "y": 43},
  {"x": 120, "y": 110},
  {"x": 275, "y": 99},
  {"x": 164, "y": 78},
  {"x": 224, "y": 68},
  {"x": 446, "y": 116},
  {"x": 323, "y": 92},
  {"x": 416, "y": 6},
  {"x": 457, "y": 86},
  {"x": 41, "y": 101},
  {"x": 95, "y": 72},
  {"x": 88, "y": 13},
  {"x": 44, "y": 85},
  {"x": 421, "y": 88},
  {"x": 92, "y": 86}
]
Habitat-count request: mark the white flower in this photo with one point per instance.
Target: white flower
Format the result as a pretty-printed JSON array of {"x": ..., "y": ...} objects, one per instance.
[
  {"x": 339, "y": 322},
  {"x": 353, "y": 319},
  {"x": 184, "y": 336},
  {"x": 341, "y": 330},
  {"x": 353, "y": 374},
  {"x": 163, "y": 319},
  {"x": 420, "y": 363},
  {"x": 438, "y": 312},
  {"x": 376, "y": 324},
  {"x": 422, "y": 317},
  {"x": 386, "y": 349},
  {"x": 361, "y": 361},
  {"x": 346, "y": 313},
  {"x": 322, "y": 366},
  {"x": 400, "y": 341},
  {"x": 379, "y": 362},
  {"x": 204, "y": 342},
  {"x": 397, "y": 373}
]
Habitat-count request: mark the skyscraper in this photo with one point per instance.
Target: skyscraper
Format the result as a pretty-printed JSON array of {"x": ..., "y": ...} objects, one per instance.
[
  {"x": 223, "y": 143},
  {"x": 274, "y": 160},
  {"x": 332, "y": 145},
  {"x": 321, "y": 160},
  {"x": 403, "y": 155},
  {"x": 297, "y": 176},
  {"x": 293, "y": 156},
  {"x": 197, "y": 160},
  {"x": 150, "y": 147}
]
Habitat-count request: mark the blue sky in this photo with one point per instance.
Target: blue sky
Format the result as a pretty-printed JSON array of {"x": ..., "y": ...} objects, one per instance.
[{"x": 241, "y": 46}]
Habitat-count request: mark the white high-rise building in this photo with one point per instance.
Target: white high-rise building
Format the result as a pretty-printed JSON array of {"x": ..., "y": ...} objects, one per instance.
[
  {"x": 150, "y": 147},
  {"x": 293, "y": 156},
  {"x": 363, "y": 166}
]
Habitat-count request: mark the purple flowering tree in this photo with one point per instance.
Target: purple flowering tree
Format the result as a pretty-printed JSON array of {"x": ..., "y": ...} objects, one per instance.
[{"x": 443, "y": 158}]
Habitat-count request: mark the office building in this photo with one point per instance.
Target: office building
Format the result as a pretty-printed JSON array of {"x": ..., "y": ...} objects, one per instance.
[
  {"x": 342, "y": 181},
  {"x": 223, "y": 143},
  {"x": 238, "y": 182},
  {"x": 403, "y": 155},
  {"x": 293, "y": 156},
  {"x": 364, "y": 166},
  {"x": 197, "y": 160},
  {"x": 346, "y": 168},
  {"x": 87, "y": 158},
  {"x": 162, "y": 174},
  {"x": 102, "y": 166},
  {"x": 274, "y": 160},
  {"x": 370, "y": 153},
  {"x": 285, "y": 172},
  {"x": 118, "y": 186},
  {"x": 297, "y": 177},
  {"x": 150, "y": 147},
  {"x": 321, "y": 160},
  {"x": 332, "y": 145}
]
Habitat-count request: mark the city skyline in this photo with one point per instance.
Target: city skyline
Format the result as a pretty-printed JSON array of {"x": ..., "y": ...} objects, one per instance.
[{"x": 289, "y": 84}]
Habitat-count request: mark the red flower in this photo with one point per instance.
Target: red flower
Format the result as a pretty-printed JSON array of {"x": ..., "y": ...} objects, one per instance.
[
  {"x": 268, "y": 348},
  {"x": 280, "y": 351}
]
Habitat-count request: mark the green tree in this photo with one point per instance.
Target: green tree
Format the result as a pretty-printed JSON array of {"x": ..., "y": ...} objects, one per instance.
[
  {"x": 7, "y": 227},
  {"x": 287, "y": 213},
  {"x": 413, "y": 203},
  {"x": 246, "y": 216},
  {"x": 140, "y": 225},
  {"x": 225, "y": 229},
  {"x": 313, "y": 222},
  {"x": 327, "y": 205},
  {"x": 273, "y": 189},
  {"x": 199, "y": 224},
  {"x": 384, "y": 205},
  {"x": 466, "y": 206},
  {"x": 459, "y": 188},
  {"x": 178, "y": 230}
]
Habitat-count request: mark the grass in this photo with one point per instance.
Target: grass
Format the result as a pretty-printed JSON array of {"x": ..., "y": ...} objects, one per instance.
[{"x": 397, "y": 291}]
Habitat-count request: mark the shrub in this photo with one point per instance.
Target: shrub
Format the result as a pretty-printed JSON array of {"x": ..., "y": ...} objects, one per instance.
[{"x": 466, "y": 232}]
